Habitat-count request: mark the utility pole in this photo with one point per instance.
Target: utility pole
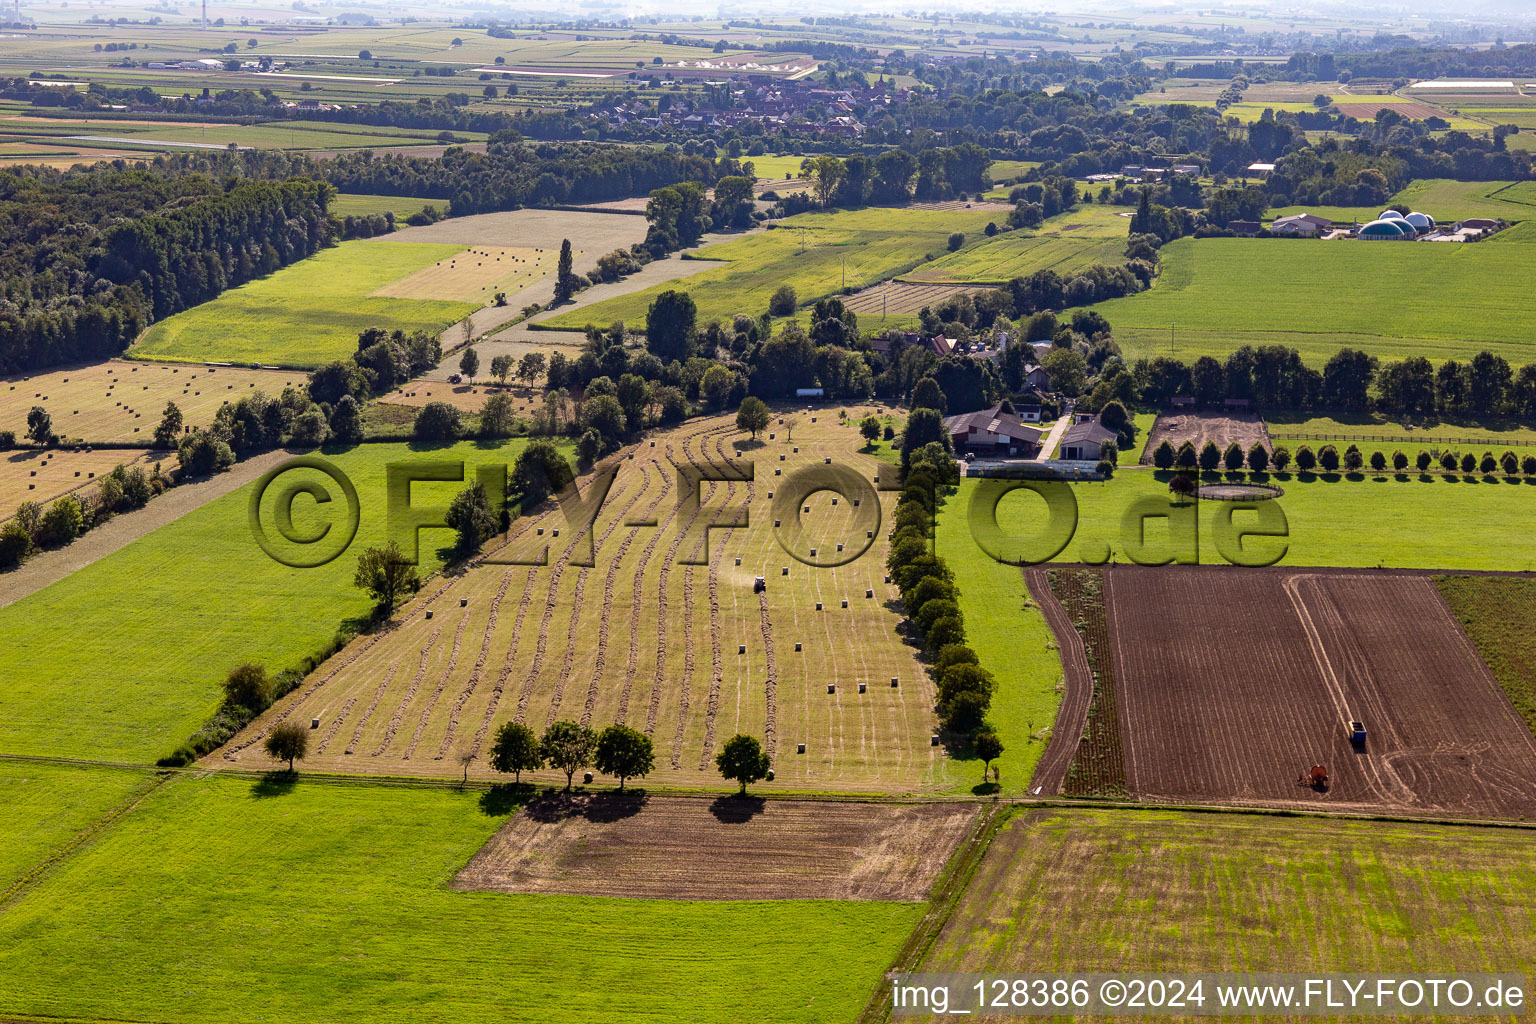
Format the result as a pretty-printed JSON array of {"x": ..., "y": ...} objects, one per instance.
[{"x": 205, "y": 15}]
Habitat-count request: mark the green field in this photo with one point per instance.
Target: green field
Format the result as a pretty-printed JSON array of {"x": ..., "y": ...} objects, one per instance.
[
  {"x": 43, "y": 805},
  {"x": 1445, "y": 199},
  {"x": 1092, "y": 890},
  {"x": 122, "y": 660},
  {"x": 1066, "y": 244},
  {"x": 1499, "y": 615},
  {"x": 1395, "y": 300},
  {"x": 307, "y": 313},
  {"x": 1445, "y": 522},
  {"x": 220, "y": 896},
  {"x": 779, "y": 167},
  {"x": 1377, "y": 432},
  {"x": 841, "y": 249},
  {"x": 357, "y": 204}
]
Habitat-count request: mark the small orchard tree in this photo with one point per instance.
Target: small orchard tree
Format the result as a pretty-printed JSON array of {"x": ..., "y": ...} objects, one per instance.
[
  {"x": 1162, "y": 458},
  {"x": 568, "y": 746},
  {"x": 39, "y": 425},
  {"x": 869, "y": 429},
  {"x": 385, "y": 574},
  {"x": 624, "y": 753},
  {"x": 989, "y": 747},
  {"x": 287, "y": 741},
  {"x": 469, "y": 363},
  {"x": 1448, "y": 462},
  {"x": 516, "y": 750},
  {"x": 501, "y": 368},
  {"x": 1328, "y": 458},
  {"x": 1528, "y": 465},
  {"x": 752, "y": 416},
  {"x": 170, "y": 426},
  {"x": 742, "y": 760},
  {"x": 1468, "y": 462},
  {"x": 1488, "y": 464}
]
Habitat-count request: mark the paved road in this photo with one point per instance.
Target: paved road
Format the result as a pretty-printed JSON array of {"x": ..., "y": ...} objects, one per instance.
[{"x": 1049, "y": 442}]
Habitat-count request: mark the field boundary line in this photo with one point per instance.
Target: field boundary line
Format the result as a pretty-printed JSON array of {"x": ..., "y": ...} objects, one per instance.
[
  {"x": 19, "y": 888},
  {"x": 943, "y": 899}
]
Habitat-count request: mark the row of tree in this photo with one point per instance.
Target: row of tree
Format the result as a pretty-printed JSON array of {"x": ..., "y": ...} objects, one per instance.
[{"x": 1259, "y": 459}]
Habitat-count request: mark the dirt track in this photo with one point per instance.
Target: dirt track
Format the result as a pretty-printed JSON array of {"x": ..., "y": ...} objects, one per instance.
[
  {"x": 1067, "y": 733},
  {"x": 1232, "y": 683},
  {"x": 723, "y": 849}
]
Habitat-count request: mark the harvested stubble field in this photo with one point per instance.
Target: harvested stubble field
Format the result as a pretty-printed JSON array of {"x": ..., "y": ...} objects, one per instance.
[
  {"x": 464, "y": 397},
  {"x": 686, "y": 652},
  {"x": 1272, "y": 668},
  {"x": 1101, "y": 890},
  {"x": 900, "y": 299},
  {"x": 1247, "y": 429},
  {"x": 41, "y": 476},
  {"x": 730, "y": 848},
  {"x": 475, "y": 275},
  {"x": 122, "y": 401},
  {"x": 589, "y": 232}
]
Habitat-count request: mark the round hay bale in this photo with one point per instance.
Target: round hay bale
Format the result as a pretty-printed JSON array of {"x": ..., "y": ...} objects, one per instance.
[
  {"x": 586, "y": 778},
  {"x": 429, "y": 613},
  {"x": 769, "y": 776}
]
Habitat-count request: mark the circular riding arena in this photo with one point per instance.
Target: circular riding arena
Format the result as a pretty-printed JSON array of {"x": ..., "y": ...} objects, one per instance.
[{"x": 1238, "y": 492}]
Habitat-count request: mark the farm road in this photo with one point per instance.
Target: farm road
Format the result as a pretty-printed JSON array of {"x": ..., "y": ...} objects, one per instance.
[
  {"x": 51, "y": 566},
  {"x": 1077, "y": 695},
  {"x": 1051, "y": 440}
]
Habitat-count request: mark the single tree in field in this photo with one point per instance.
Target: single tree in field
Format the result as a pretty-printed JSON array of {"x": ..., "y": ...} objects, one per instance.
[
  {"x": 742, "y": 760},
  {"x": 501, "y": 368},
  {"x": 624, "y": 753},
  {"x": 466, "y": 759},
  {"x": 752, "y": 416},
  {"x": 469, "y": 363},
  {"x": 288, "y": 741},
  {"x": 39, "y": 425},
  {"x": 869, "y": 429},
  {"x": 565, "y": 276},
  {"x": 170, "y": 427},
  {"x": 386, "y": 575},
  {"x": 249, "y": 687},
  {"x": 516, "y": 750},
  {"x": 530, "y": 368},
  {"x": 790, "y": 423},
  {"x": 471, "y": 517},
  {"x": 568, "y": 746},
  {"x": 1181, "y": 485},
  {"x": 783, "y": 301},
  {"x": 989, "y": 747}
]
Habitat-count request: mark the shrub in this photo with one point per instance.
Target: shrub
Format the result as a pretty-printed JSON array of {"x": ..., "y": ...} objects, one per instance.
[
  {"x": 956, "y": 240},
  {"x": 784, "y": 301},
  {"x": 1423, "y": 460},
  {"x": 1399, "y": 460},
  {"x": 63, "y": 522},
  {"x": 1488, "y": 464},
  {"x": 1353, "y": 460},
  {"x": 1328, "y": 458},
  {"x": 1281, "y": 457},
  {"x": 248, "y": 687},
  {"x": 1468, "y": 462},
  {"x": 437, "y": 421},
  {"x": 1378, "y": 461},
  {"x": 1306, "y": 459},
  {"x": 1528, "y": 465},
  {"x": 7, "y": 440},
  {"x": 1448, "y": 462},
  {"x": 1104, "y": 468},
  {"x": 15, "y": 545}
]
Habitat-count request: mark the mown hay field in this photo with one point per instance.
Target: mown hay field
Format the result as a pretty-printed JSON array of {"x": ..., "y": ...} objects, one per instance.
[
  {"x": 43, "y": 805},
  {"x": 818, "y": 254},
  {"x": 41, "y": 476},
  {"x": 474, "y": 275},
  {"x": 344, "y": 913},
  {"x": 1067, "y": 250},
  {"x": 687, "y": 653},
  {"x": 122, "y": 401},
  {"x": 1094, "y": 890},
  {"x": 309, "y": 312},
  {"x": 1395, "y": 300},
  {"x": 123, "y": 659}
]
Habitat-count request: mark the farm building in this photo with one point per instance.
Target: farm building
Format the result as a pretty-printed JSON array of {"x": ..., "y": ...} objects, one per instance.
[
  {"x": 1084, "y": 442},
  {"x": 1038, "y": 378},
  {"x": 1306, "y": 225},
  {"x": 1387, "y": 229},
  {"x": 993, "y": 432},
  {"x": 1261, "y": 170}
]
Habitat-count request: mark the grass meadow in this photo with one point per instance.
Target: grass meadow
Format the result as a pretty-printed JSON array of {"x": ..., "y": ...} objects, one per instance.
[
  {"x": 307, "y": 313},
  {"x": 358, "y": 204},
  {"x": 1066, "y": 244},
  {"x": 1499, "y": 615},
  {"x": 1440, "y": 301},
  {"x": 330, "y": 902},
  {"x": 123, "y": 659},
  {"x": 819, "y": 254},
  {"x": 1451, "y": 522},
  {"x": 43, "y": 805},
  {"x": 1096, "y": 890}
]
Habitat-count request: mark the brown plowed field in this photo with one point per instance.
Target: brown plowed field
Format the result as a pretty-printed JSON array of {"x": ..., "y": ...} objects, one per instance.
[
  {"x": 1200, "y": 427},
  {"x": 725, "y": 849},
  {"x": 1232, "y": 683}
]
